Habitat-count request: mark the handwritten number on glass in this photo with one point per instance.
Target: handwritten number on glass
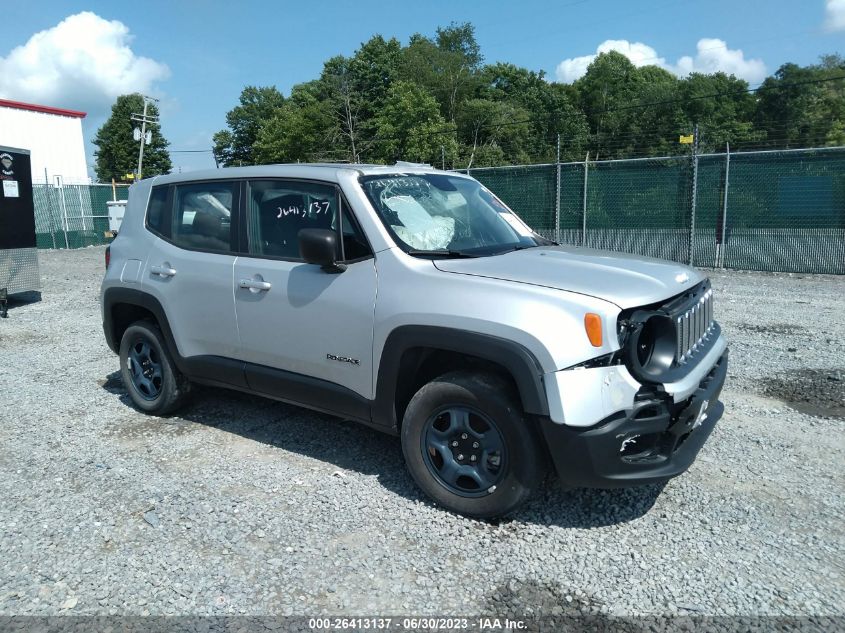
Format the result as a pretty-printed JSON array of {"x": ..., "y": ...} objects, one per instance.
[{"x": 316, "y": 208}]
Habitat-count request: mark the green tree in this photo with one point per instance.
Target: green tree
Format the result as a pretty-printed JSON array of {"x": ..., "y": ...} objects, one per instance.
[
  {"x": 493, "y": 132},
  {"x": 728, "y": 118},
  {"x": 347, "y": 102},
  {"x": 117, "y": 149},
  {"x": 631, "y": 111},
  {"x": 548, "y": 107},
  {"x": 373, "y": 68},
  {"x": 611, "y": 85},
  {"x": 447, "y": 67},
  {"x": 354, "y": 89},
  {"x": 654, "y": 130},
  {"x": 795, "y": 112},
  {"x": 410, "y": 127},
  {"x": 234, "y": 146},
  {"x": 301, "y": 130}
]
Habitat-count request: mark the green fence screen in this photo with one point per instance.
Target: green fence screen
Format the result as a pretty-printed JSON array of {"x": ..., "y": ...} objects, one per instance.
[
  {"x": 73, "y": 216},
  {"x": 768, "y": 211}
]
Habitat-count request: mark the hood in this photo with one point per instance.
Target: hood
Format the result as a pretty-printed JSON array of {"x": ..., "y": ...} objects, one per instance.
[{"x": 626, "y": 280}]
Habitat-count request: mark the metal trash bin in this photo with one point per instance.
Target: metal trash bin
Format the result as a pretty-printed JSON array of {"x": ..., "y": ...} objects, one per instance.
[{"x": 116, "y": 210}]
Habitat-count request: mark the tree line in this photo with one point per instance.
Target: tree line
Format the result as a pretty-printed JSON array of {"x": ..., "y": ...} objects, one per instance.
[{"x": 435, "y": 100}]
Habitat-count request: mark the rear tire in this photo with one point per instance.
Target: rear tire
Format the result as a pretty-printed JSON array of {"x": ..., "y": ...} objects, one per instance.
[
  {"x": 469, "y": 446},
  {"x": 154, "y": 383}
]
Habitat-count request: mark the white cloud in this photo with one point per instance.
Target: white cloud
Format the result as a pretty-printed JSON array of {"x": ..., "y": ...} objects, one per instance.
[
  {"x": 84, "y": 62},
  {"x": 835, "y": 15},
  {"x": 712, "y": 55},
  {"x": 640, "y": 54}
]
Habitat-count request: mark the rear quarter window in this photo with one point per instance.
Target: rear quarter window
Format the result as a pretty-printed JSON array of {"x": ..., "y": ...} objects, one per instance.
[{"x": 157, "y": 212}]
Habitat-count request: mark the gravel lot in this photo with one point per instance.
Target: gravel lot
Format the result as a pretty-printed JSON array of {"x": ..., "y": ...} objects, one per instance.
[{"x": 247, "y": 506}]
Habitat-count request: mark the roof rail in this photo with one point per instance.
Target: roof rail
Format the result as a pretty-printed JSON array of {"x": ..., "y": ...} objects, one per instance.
[{"x": 405, "y": 163}]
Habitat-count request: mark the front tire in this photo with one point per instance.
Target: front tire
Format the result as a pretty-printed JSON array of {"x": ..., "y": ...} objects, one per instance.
[
  {"x": 469, "y": 446},
  {"x": 154, "y": 383}
]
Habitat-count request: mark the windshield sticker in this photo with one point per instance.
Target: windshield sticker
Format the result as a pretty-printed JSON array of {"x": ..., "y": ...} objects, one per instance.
[{"x": 516, "y": 224}]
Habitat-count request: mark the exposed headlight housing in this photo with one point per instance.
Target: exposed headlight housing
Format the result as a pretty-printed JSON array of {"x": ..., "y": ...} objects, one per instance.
[
  {"x": 650, "y": 346},
  {"x": 659, "y": 341}
]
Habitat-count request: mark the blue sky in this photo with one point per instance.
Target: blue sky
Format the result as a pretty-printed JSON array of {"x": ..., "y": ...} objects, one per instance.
[{"x": 199, "y": 55}]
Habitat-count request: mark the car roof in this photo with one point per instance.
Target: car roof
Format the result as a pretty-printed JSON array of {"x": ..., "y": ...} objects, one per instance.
[{"x": 320, "y": 171}]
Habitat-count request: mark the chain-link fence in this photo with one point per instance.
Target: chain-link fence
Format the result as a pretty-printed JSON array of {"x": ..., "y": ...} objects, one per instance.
[
  {"x": 73, "y": 216},
  {"x": 778, "y": 210},
  {"x": 770, "y": 210}
]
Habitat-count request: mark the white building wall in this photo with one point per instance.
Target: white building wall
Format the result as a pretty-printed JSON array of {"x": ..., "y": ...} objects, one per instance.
[{"x": 54, "y": 140}]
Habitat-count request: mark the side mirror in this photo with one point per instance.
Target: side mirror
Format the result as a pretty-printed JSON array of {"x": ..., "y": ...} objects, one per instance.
[{"x": 319, "y": 246}]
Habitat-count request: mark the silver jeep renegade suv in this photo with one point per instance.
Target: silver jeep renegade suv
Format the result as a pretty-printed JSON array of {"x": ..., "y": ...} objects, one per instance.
[{"x": 414, "y": 301}]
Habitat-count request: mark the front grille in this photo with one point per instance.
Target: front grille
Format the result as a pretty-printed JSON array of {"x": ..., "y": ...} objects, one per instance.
[{"x": 693, "y": 326}]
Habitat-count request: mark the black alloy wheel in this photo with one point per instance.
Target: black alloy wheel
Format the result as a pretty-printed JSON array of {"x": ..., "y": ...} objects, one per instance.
[{"x": 464, "y": 450}]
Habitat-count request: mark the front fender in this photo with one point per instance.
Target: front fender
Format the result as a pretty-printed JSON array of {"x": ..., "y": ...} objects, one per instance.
[{"x": 516, "y": 359}]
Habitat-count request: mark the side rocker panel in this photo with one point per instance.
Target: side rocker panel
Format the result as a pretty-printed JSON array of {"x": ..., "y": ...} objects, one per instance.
[{"x": 305, "y": 391}]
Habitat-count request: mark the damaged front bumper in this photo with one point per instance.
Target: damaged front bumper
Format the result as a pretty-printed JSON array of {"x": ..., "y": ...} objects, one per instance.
[{"x": 655, "y": 439}]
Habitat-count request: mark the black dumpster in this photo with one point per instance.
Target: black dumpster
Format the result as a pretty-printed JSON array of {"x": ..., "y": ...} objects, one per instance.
[{"x": 18, "y": 254}]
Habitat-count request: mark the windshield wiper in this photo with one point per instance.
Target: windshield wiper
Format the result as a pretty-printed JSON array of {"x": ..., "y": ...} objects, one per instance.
[
  {"x": 516, "y": 247},
  {"x": 440, "y": 252}
]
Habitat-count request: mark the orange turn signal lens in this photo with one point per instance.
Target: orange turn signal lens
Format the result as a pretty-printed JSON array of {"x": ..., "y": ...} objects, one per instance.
[{"x": 592, "y": 324}]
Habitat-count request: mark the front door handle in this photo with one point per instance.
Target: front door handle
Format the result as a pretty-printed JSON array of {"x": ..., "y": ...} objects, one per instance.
[
  {"x": 255, "y": 284},
  {"x": 164, "y": 270}
]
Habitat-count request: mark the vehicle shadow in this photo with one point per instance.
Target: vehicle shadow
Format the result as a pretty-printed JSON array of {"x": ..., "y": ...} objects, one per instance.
[
  {"x": 20, "y": 299},
  {"x": 351, "y": 446}
]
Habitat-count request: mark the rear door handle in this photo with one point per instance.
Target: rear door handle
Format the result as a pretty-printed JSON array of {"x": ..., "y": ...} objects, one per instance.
[
  {"x": 163, "y": 271},
  {"x": 254, "y": 284}
]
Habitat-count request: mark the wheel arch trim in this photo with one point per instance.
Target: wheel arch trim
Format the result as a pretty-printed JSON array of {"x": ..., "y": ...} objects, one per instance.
[
  {"x": 513, "y": 357},
  {"x": 113, "y": 297}
]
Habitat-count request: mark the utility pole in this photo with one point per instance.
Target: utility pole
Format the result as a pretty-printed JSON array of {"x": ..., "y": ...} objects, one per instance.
[{"x": 144, "y": 136}]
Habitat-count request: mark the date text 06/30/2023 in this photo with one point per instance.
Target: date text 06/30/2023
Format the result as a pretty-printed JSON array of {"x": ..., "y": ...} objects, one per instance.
[{"x": 414, "y": 624}]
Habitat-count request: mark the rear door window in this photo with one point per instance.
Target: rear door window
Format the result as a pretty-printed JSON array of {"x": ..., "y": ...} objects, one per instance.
[{"x": 202, "y": 216}]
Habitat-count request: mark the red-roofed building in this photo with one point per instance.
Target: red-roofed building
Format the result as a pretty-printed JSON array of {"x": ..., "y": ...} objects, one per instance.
[{"x": 52, "y": 135}]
